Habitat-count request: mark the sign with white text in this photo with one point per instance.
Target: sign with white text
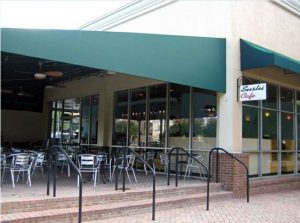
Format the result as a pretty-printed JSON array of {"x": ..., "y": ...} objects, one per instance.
[{"x": 253, "y": 92}]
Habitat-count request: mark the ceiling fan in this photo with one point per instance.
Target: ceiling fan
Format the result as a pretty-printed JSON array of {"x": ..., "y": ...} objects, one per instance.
[{"x": 43, "y": 75}]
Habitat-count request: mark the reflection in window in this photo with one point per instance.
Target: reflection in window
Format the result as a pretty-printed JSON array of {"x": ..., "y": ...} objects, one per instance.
[
  {"x": 157, "y": 116},
  {"x": 287, "y": 99},
  {"x": 179, "y": 116},
  {"x": 137, "y": 127},
  {"x": 94, "y": 119},
  {"x": 269, "y": 131},
  {"x": 205, "y": 119},
  {"x": 120, "y": 118},
  {"x": 71, "y": 120},
  {"x": 85, "y": 119},
  {"x": 271, "y": 101}
]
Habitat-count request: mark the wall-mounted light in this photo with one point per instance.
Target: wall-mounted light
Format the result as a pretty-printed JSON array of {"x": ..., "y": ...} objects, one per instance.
[
  {"x": 267, "y": 114},
  {"x": 247, "y": 118}
]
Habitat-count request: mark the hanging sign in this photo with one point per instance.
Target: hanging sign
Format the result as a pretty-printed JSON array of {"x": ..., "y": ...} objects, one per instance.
[{"x": 253, "y": 92}]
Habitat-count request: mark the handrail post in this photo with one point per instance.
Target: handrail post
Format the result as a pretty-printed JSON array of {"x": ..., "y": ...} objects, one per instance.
[
  {"x": 116, "y": 171},
  {"x": 217, "y": 166},
  {"x": 124, "y": 165},
  {"x": 169, "y": 167},
  {"x": 208, "y": 180},
  {"x": 54, "y": 172},
  {"x": 48, "y": 172},
  {"x": 247, "y": 186},
  {"x": 80, "y": 199},
  {"x": 176, "y": 180},
  {"x": 153, "y": 199}
]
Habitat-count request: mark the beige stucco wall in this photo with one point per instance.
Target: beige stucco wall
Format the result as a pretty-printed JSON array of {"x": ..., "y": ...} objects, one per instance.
[
  {"x": 261, "y": 22},
  {"x": 22, "y": 126}
]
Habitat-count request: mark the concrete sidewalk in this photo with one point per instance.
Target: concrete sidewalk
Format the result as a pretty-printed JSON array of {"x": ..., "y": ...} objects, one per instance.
[{"x": 278, "y": 207}]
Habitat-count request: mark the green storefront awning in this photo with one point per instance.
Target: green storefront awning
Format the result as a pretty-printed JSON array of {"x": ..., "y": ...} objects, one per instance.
[
  {"x": 254, "y": 56},
  {"x": 193, "y": 61}
]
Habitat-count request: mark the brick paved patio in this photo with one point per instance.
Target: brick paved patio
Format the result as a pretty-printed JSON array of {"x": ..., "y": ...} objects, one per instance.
[{"x": 281, "y": 207}]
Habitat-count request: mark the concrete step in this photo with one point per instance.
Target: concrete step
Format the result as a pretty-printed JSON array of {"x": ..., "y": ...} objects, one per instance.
[
  {"x": 109, "y": 210},
  {"x": 108, "y": 197}
]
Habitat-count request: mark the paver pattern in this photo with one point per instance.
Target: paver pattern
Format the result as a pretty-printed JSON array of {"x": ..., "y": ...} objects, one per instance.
[{"x": 281, "y": 207}]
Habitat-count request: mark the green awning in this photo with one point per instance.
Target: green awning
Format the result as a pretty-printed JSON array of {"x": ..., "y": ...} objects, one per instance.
[
  {"x": 254, "y": 56},
  {"x": 193, "y": 61}
]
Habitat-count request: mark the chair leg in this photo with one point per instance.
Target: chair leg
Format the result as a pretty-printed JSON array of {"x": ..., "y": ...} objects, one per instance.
[
  {"x": 78, "y": 181},
  {"x": 95, "y": 179},
  {"x": 145, "y": 168},
  {"x": 134, "y": 174},
  {"x": 128, "y": 175},
  {"x": 12, "y": 178},
  {"x": 112, "y": 175},
  {"x": 186, "y": 170},
  {"x": 28, "y": 177},
  {"x": 4, "y": 167},
  {"x": 69, "y": 170},
  {"x": 154, "y": 168}
]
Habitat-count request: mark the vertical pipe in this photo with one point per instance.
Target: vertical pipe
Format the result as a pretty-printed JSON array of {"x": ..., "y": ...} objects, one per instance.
[
  {"x": 80, "y": 199},
  {"x": 48, "y": 171},
  {"x": 153, "y": 198},
  {"x": 247, "y": 186},
  {"x": 124, "y": 165},
  {"x": 208, "y": 180},
  {"x": 217, "y": 166},
  {"x": 176, "y": 181},
  {"x": 116, "y": 169},
  {"x": 54, "y": 172},
  {"x": 169, "y": 165}
]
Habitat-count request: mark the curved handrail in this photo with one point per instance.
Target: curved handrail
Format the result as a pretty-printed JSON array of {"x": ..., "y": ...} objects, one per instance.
[
  {"x": 191, "y": 156},
  {"x": 153, "y": 173},
  {"x": 55, "y": 148},
  {"x": 217, "y": 166}
]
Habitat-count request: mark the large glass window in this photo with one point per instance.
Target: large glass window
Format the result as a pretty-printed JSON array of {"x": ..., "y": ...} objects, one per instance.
[
  {"x": 75, "y": 120},
  {"x": 179, "y": 116},
  {"x": 277, "y": 151},
  {"x": 120, "y": 118},
  {"x": 287, "y": 100},
  {"x": 137, "y": 127},
  {"x": 250, "y": 137},
  {"x": 271, "y": 101},
  {"x": 157, "y": 116},
  {"x": 205, "y": 119},
  {"x": 165, "y": 113},
  {"x": 298, "y": 102}
]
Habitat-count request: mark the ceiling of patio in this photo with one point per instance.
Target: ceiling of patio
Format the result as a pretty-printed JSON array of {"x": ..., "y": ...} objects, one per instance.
[{"x": 21, "y": 90}]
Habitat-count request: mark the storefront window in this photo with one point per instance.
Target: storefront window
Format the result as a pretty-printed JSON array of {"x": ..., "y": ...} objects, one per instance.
[
  {"x": 204, "y": 120},
  {"x": 94, "y": 119},
  {"x": 157, "y": 116},
  {"x": 179, "y": 116},
  {"x": 271, "y": 101},
  {"x": 298, "y": 102},
  {"x": 250, "y": 137},
  {"x": 137, "y": 127},
  {"x": 269, "y": 130},
  {"x": 287, "y": 100},
  {"x": 120, "y": 118},
  {"x": 287, "y": 143},
  {"x": 85, "y": 119}
]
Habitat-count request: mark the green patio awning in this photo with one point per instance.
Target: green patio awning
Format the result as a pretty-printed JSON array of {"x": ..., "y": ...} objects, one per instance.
[
  {"x": 254, "y": 56},
  {"x": 193, "y": 61}
]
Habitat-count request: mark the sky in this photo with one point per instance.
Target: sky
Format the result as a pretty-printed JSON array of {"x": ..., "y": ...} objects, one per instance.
[{"x": 55, "y": 14}]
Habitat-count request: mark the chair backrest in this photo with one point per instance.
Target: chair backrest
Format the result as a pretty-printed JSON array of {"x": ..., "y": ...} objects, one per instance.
[
  {"x": 21, "y": 160},
  {"x": 40, "y": 159},
  {"x": 87, "y": 161},
  {"x": 164, "y": 159},
  {"x": 193, "y": 162},
  {"x": 150, "y": 156},
  {"x": 131, "y": 159}
]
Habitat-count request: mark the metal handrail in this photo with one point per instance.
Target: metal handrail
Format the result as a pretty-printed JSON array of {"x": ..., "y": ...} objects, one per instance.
[
  {"x": 191, "y": 156},
  {"x": 217, "y": 166},
  {"x": 147, "y": 164},
  {"x": 55, "y": 148}
]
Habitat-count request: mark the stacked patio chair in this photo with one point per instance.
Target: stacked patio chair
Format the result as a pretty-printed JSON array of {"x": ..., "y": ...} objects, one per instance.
[{"x": 164, "y": 160}]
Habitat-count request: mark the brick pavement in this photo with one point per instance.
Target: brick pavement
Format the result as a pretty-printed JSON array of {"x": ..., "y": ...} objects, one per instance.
[{"x": 278, "y": 207}]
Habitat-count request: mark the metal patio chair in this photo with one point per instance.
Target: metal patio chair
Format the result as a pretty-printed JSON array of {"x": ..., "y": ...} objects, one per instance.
[
  {"x": 129, "y": 166},
  {"x": 21, "y": 162},
  {"x": 192, "y": 164},
  {"x": 164, "y": 160},
  {"x": 88, "y": 163}
]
